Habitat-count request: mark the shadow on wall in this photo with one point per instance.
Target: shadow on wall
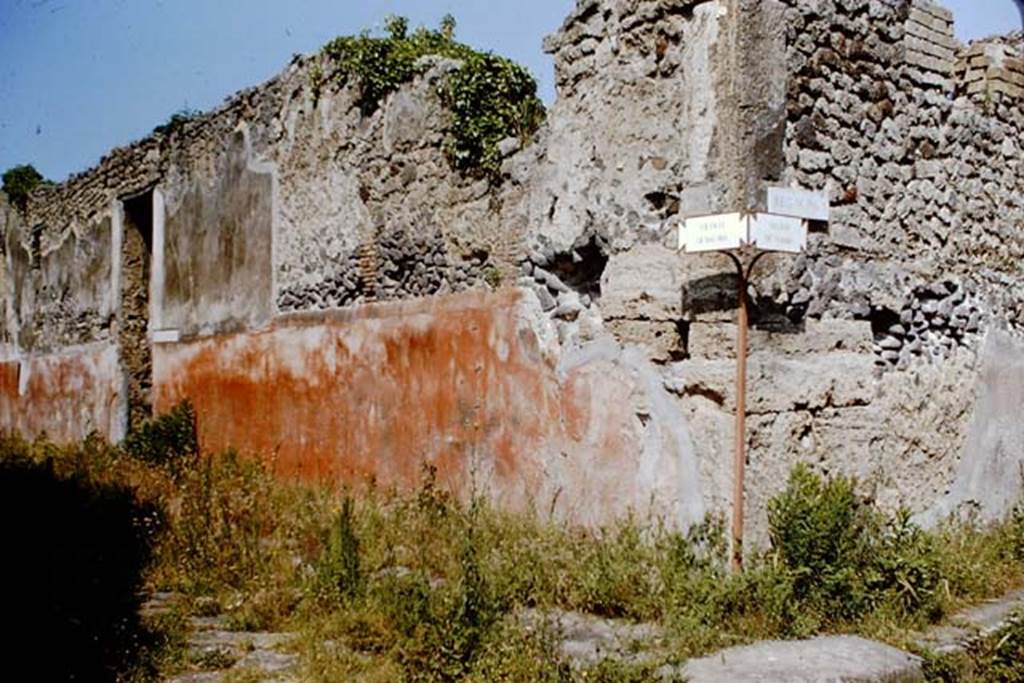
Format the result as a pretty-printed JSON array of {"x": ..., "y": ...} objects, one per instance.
[
  {"x": 717, "y": 293},
  {"x": 73, "y": 556}
]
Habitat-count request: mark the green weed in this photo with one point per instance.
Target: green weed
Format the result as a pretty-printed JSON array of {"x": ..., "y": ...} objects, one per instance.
[
  {"x": 423, "y": 586},
  {"x": 491, "y": 98}
]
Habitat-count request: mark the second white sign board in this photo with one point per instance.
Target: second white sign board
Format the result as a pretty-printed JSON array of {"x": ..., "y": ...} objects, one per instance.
[
  {"x": 785, "y": 201},
  {"x": 769, "y": 232}
]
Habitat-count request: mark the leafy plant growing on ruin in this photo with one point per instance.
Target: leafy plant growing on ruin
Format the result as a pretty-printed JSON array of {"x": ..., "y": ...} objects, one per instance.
[
  {"x": 19, "y": 182},
  {"x": 177, "y": 121},
  {"x": 845, "y": 557},
  {"x": 490, "y": 97},
  {"x": 167, "y": 438}
]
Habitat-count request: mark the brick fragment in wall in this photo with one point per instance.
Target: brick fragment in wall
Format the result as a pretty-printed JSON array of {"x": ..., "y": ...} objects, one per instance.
[
  {"x": 941, "y": 66},
  {"x": 988, "y": 70},
  {"x": 924, "y": 37},
  {"x": 927, "y": 26},
  {"x": 976, "y": 61},
  {"x": 933, "y": 9},
  {"x": 368, "y": 268},
  {"x": 991, "y": 68},
  {"x": 994, "y": 73},
  {"x": 917, "y": 47},
  {"x": 988, "y": 87},
  {"x": 996, "y": 87},
  {"x": 991, "y": 51}
]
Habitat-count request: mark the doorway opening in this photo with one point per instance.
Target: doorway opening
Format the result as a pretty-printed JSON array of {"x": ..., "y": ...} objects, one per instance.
[{"x": 133, "y": 327}]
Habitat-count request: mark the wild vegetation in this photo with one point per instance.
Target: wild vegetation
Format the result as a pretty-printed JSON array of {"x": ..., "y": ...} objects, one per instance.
[
  {"x": 384, "y": 585},
  {"x": 177, "y": 121},
  {"x": 19, "y": 182},
  {"x": 999, "y": 657},
  {"x": 490, "y": 97}
]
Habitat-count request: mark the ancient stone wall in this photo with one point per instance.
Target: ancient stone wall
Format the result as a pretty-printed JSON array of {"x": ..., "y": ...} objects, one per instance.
[
  {"x": 891, "y": 303},
  {"x": 329, "y": 291},
  {"x": 371, "y": 210},
  {"x": 924, "y": 169}
]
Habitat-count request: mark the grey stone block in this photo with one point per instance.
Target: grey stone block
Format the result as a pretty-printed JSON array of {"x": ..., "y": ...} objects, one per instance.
[{"x": 822, "y": 660}]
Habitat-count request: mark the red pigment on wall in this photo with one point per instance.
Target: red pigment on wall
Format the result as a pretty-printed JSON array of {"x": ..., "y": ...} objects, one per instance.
[
  {"x": 66, "y": 395},
  {"x": 372, "y": 394}
]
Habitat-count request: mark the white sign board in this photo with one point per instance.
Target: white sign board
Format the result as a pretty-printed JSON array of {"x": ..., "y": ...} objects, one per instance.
[
  {"x": 813, "y": 206},
  {"x": 769, "y": 232},
  {"x": 726, "y": 231},
  {"x": 166, "y": 336},
  {"x": 713, "y": 233}
]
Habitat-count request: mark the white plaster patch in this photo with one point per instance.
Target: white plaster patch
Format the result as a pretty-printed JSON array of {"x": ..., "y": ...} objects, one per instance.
[
  {"x": 24, "y": 372},
  {"x": 166, "y": 336}
]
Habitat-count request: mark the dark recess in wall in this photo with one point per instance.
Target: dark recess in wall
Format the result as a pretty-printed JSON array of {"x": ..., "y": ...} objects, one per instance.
[
  {"x": 582, "y": 268},
  {"x": 133, "y": 323}
]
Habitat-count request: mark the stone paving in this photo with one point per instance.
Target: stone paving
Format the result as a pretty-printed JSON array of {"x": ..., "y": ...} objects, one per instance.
[
  {"x": 214, "y": 650},
  {"x": 586, "y": 640},
  {"x": 847, "y": 658},
  {"x": 828, "y": 659},
  {"x": 980, "y": 621},
  {"x": 820, "y": 660}
]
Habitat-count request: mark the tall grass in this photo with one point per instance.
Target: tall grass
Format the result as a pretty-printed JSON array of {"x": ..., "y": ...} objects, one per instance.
[{"x": 421, "y": 586}]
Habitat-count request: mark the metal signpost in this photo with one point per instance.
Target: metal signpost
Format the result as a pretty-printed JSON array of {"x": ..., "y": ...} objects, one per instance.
[{"x": 749, "y": 237}]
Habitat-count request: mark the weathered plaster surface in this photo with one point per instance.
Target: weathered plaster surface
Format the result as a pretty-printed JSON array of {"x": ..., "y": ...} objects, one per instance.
[
  {"x": 462, "y": 383},
  {"x": 217, "y": 258},
  {"x": 64, "y": 396},
  {"x": 990, "y": 475},
  {"x": 59, "y": 296}
]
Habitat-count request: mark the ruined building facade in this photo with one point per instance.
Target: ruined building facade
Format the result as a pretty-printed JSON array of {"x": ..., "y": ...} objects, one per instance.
[{"x": 330, "y": 294}]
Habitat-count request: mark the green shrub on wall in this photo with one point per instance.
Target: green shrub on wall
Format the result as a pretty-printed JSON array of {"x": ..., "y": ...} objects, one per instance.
[
  {"x": 177, "y": 121},
  {"x": 19, "y": 182},
  {"x": 491, "y": 98}
]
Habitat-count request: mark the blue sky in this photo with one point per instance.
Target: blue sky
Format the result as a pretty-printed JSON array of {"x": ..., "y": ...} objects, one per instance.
[{"x": 78, "y": 77}]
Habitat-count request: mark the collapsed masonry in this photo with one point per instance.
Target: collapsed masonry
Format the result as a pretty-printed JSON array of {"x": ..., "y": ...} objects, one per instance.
[{"x": 330, "y": 293}]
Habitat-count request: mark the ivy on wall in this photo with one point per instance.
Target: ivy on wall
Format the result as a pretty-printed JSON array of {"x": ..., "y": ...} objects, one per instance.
[{"x": 491, "y": 98}]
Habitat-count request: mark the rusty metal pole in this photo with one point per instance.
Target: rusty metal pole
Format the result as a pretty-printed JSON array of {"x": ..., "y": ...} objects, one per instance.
[{"x": 740, "y": 457}]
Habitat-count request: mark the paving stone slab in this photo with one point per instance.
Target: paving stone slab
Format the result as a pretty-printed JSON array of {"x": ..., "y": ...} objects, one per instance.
[
  {"x": 586, "y": 639},
  {"x": 980, "y": 621},
  {"x": 833, "y": 659}
]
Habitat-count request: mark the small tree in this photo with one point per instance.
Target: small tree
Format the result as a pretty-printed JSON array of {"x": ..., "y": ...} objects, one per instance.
[
  {"x": 19, "y": 182},
  {"x": 448, "y": 27}
]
